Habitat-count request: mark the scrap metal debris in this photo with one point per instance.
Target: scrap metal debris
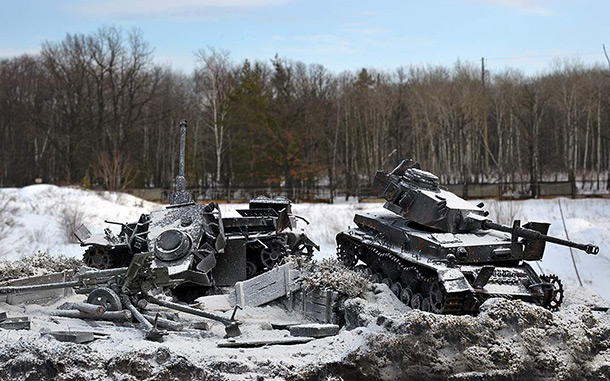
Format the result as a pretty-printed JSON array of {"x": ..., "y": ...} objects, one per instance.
[{"x": 263, "y": 342}]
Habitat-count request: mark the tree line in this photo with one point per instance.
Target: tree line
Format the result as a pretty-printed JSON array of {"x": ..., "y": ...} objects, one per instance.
[{"x": 97, "y": 110}]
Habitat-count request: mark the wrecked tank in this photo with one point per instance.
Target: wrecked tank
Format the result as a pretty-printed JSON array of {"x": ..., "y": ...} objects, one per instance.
[
  {"x": 196, "y": 244},
  {"x": 438, "y": 252}
]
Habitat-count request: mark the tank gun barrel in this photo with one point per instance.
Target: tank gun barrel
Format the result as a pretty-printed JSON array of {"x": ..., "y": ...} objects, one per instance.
[{"x": 538, "y": 236}]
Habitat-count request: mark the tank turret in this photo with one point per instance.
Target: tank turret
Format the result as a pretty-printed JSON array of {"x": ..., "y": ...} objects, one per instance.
[{"x": 416, "y": 195}]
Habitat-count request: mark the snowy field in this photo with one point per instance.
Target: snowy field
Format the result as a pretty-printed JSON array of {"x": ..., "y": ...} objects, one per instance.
[{"x": 34, "y": 219}]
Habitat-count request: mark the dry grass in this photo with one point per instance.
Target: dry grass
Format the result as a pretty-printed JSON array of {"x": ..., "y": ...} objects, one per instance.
[
  {"x": 332, "y": 274},
  {"x": 36, "y": 264},
  {"x": 70, "y": 218},
  {"x": 8, "y": 209}
]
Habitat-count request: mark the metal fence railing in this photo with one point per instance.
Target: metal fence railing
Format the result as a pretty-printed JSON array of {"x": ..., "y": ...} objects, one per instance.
[{"x": 321, "y": 193}]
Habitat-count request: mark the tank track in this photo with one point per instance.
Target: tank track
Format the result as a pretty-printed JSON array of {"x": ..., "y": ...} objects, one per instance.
[{"x": 348, "y": 250}]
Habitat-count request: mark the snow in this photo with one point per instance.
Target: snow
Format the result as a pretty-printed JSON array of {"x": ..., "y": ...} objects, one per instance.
[
  {"x": 382, "y": 339},
  {"x": 37, "y": 225}
]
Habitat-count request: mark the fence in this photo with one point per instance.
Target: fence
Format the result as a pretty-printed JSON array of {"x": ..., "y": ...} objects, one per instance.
[{"x": 506, "y": 190}]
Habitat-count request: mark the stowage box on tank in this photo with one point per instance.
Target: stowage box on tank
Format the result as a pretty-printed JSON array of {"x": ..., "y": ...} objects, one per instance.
[{"x": 438, "y": 252}]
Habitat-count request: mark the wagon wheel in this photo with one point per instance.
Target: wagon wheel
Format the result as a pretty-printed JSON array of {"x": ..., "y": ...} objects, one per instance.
[{"x": 104, "y": 296}]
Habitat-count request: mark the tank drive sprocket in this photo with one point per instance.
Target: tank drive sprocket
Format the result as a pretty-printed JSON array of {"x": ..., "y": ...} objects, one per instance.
[
  {"x": 555, "y": 298},
  {"x": 98, "y": 257}
]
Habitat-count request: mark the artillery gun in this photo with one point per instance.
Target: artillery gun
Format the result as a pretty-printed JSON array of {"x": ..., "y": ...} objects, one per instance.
[
  {"x": 125, "y": 292},
  {"x": 196, "y": 244},
  {"x": 438, "y": 252}
]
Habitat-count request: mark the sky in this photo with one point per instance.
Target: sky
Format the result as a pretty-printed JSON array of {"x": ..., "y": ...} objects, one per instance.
[{"x": 530, "y": 35}]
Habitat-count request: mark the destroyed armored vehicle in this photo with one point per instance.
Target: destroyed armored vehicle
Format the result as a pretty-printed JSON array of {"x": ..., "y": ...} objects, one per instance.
[
  {"x": 196, "y": 244},
  {"x": 438, "y": 252}
]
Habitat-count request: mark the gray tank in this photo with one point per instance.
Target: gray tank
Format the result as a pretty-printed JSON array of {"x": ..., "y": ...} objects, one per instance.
[
  {"x": 438, "y": 252},
  {"x": 196, "y": 244}
]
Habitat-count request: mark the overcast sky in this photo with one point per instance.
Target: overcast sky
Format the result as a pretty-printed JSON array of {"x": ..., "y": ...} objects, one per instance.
[{"x": 341, "y": 35}]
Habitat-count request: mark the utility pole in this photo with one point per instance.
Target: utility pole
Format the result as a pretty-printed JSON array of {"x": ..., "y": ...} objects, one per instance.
[{"x": 485, "y": 132}]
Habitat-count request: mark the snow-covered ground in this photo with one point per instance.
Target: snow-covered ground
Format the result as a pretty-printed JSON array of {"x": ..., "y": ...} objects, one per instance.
[{"x": 33, "y": 218}]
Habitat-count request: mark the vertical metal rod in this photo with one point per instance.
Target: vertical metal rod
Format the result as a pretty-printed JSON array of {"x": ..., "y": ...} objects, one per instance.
[
  {"x": 565, "y": 229},
  {"x": 182, "y": 147}
]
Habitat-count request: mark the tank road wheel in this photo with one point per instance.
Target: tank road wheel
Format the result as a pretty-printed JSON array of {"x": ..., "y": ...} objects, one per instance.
[
  {"x": 250, "y": 269},
  {"x": 425, "y": 305},
  {"x": 396, "y": 288},
  {"x": 554, "y": 300},
  {"x": 346, "y": 252},
  {"x": 104, "y": 296},
  {"x": 416, "y": 301},
  {"x": 406, "y": 295},
  {"x": 437, "y": 297},
  {"x": 98, "y": 258},
  {"x": 387, "y": 282}
]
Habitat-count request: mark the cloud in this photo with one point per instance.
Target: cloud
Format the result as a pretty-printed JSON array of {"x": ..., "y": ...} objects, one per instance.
[
  {"x": 527, "y": 6},
  {"x": 105, "y": 8}
]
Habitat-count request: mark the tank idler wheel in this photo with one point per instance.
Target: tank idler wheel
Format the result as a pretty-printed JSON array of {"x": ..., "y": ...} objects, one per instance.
[
  {"x": 376, "y": 278},
  {"x": 250, "y": 269},
  {"x": 104, "y": 296},
  {"x": 437, "y": 297},
  {"x": 416, "y": 301},
  {"x": 387, "y": 282},
  {"x": 556, "y": 298},
  {"x": 426, "y": 305},
  {"x": 396, "y": 288},
  {"x": 406, "y": 295}
]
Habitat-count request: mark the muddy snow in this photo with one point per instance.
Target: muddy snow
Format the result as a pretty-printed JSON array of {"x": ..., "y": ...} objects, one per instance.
[{"x": 382, "y": 340}]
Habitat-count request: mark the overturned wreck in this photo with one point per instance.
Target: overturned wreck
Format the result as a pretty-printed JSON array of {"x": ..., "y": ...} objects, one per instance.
[
  {"x": 438, "y": 252},
  {"x": 196, "y": 244}
]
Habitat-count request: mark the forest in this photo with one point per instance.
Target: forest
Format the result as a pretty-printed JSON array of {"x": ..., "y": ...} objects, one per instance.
[{"x": 97, "y": 110}]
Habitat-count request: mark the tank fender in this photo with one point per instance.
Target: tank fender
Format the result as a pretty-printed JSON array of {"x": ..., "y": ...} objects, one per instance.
[{"x": 453, "y": 280}]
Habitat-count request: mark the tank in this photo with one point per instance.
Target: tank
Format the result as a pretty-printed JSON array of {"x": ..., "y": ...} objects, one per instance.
[
  {"x": 196, "y": 244},
  {"x": 438, "y": 252}
]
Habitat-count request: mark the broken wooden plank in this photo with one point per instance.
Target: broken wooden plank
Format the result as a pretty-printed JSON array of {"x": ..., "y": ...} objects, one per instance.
[
  {"x": 77, "y": 337},
  {"x": 262, "y": 342},
  {"x": 271, "y": 285},
  {"x": 314, "y": 330},
  {"x": 108, "y": 315},
  {"x": 44, "y": 296},
  {"x": 284, "y": 324},
  {"x": 16, "y": 323},
  {"x": 202, "y": 325}
]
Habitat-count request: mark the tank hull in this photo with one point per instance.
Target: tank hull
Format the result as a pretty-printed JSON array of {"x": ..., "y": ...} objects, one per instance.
[{"x": 412, "y": 261}]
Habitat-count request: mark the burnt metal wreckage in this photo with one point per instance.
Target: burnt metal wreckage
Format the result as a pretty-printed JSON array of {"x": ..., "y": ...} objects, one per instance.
[
  {"x": 124, "y": 293},
  {"x": 196, "y": 244},
  {"x": 438, "y": 252},
  {"x": 186, "y": 245}
]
